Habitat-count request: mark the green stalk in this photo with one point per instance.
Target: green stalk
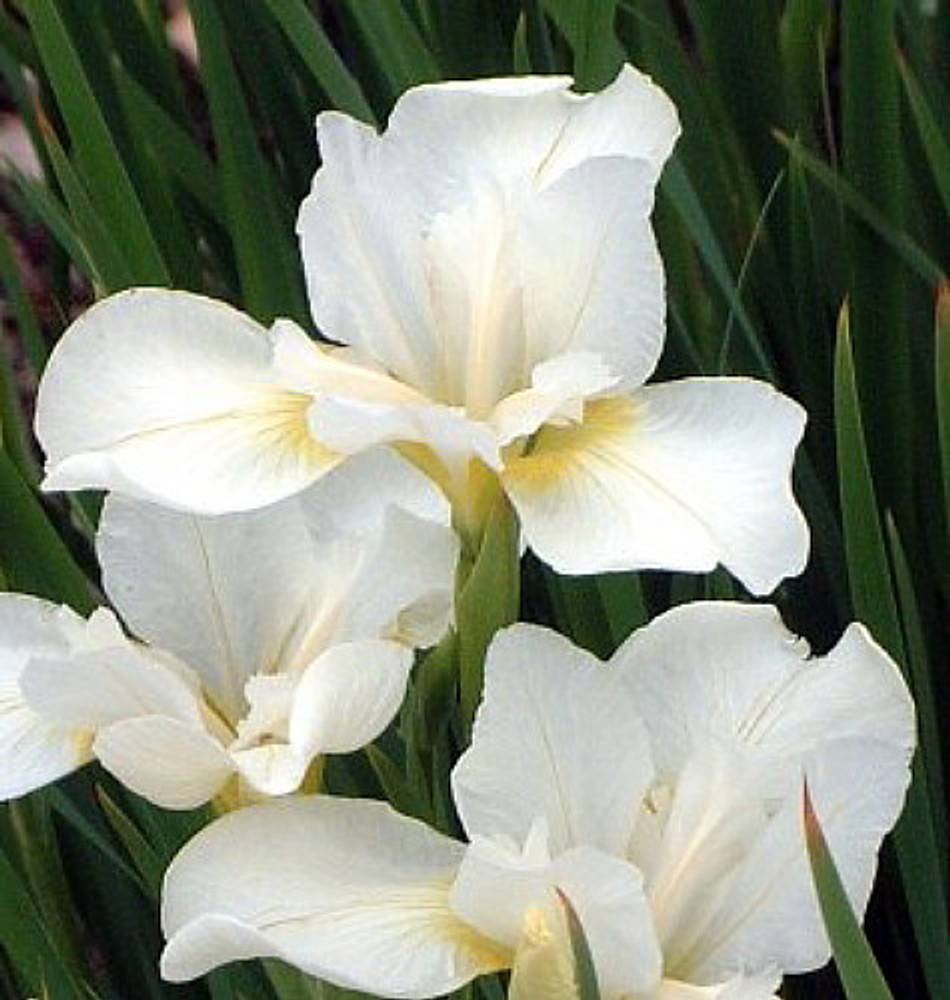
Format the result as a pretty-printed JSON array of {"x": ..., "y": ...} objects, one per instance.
[{"x": 487, "y": 598}]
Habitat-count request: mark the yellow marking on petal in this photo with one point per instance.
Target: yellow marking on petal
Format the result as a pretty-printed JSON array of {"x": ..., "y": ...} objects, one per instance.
[
  {"x": 82, "y": 740},
  {"x": 281, "y": 420},
  {"x": 427, "y": 461},
  {"x": 485, "y": 954},
  {"x": 556, "y": 451},
  {"x": 423, "y": 909},
  {"x": 543, "y": 966},
  {"x": 535, "y": 928}
]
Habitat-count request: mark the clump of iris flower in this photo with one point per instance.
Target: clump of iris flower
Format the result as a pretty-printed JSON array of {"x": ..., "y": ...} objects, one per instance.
[
  {"x": 488, "y": 283},
  {"x": 269, "y": 638},
  {"x": 660, "y": 793}
]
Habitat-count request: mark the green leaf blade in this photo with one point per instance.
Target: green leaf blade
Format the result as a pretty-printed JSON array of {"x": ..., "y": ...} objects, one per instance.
[
  {"x": 860, "y": 975},
  {"x": 100, "y": 160}
]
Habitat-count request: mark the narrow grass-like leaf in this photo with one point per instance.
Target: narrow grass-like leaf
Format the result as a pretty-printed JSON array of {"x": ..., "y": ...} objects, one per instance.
[
  {"x": 148, "y": 864},
  {"x": 28, "y": 328},
  {"x": 32, "y": 829},
  {"x": 942, "y": 387},
  {"x": 432, "y": 690},
  {"x": 393, "y": 781},
  {"x": 799, "y": 44},
  {"x": 521, "y": 58},
  {"x": 751, "y": 87},
  {"x": 15, "y": 38},
  {"x": 282, "y": 107},
  {"x": 810, "y": 277},
  {"x": 269, "y": 267},
  {"x": 678, "y": 187},
  {"x": 589, "y": 30},
  {"x": 41, "y": 203},
  {"x": 166, "y": 831},
  {"x": 872, "y": 163},
  {"x": 111, "y": 267},
  {"x": 928, "y": 725},
  {"x": 32, "y": 555},
  {"x": 869, "y": 574},
  {"x": 24, "y": 937},
  {"x": 137, "y": 36},
  {"x": 240, "y": 981},
  {"x": 170, "y": 227},
  {"x": 397, "y": 48},
  {"x": 425, "y": 729},
  {"x": 292, "y": 984},
  {"x": 63, "y": 805},
  {"x": 14, "y": 434},
  {"x": 935, "y": 143},
  {"x": 874, "y": 603},
  {"x": 182, "y": 156},
  {"x": 306, "y": 34},
  {"x": 913, "y": 255},
  {"x": 540, "y": 49},
  {"x": 753, "y": 242},
  {"x": 102, "y": 166},
  {"x": 579, "y": 611},
  {"x": 472, "y": 38},
  {"x": 857, "y": 967},
  {"x": 624, "y": 604}
]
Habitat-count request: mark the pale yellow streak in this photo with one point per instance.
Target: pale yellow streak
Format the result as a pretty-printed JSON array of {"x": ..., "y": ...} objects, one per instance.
[{"x": 543, "y": 966}]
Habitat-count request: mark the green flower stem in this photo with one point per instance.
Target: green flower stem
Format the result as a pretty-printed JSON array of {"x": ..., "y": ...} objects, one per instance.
[{"x": 487, "y": 598}]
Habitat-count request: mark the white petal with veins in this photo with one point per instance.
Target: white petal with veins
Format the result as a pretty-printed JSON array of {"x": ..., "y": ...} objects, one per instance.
[
  {"x": 185, "y": 406},
  {"x": 347, "y": 890}
]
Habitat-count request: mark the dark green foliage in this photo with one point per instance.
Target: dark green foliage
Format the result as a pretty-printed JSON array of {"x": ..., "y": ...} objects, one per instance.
[{"x": 814, "y": 170}]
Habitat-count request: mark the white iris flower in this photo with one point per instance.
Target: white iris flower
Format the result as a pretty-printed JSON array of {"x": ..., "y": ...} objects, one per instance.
[
  {"x": 489, "y": 265},
  {"x": 269, "y": 638},
  {"x": 661, "y": 793}
]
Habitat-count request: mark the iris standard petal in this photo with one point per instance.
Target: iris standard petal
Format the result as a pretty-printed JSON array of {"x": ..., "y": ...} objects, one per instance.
[
  {"x": 583, "y": 756},
  {"x": 403, "y": 585},
  {"x": 680, "y": 475},
  {"x": 224, "y": 594},
  {"x": 438, "y": 248},
  {"x": 361, "y": 243},
  {"x": 733, "y": 672},
  {"x": 267, "y": 590},
  {"x": 459, "y": 132},
  {"x": 734, "y": 896},
  {"x": 347, "y": 890},
  {"x": 174, "y": 397},
  {"x": 589, "y": 270},
  {"x": 738, "y": 715}
]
